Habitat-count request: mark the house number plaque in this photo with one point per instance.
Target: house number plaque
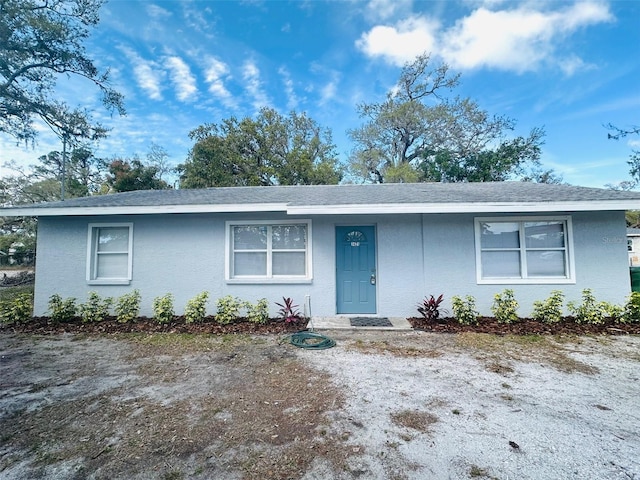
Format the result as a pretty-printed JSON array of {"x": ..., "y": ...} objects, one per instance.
[{"x": 355, "y": 244}]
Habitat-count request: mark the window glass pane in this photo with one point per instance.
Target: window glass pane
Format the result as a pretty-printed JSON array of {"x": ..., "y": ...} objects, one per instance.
[
  {"x": 250, "y": 237},
  {"x": 546, "y": 264},
  {"x": 250, "y": 263},
  {"x": 113, "y": 239},
  {"x": 499, "y": 235},
  {"x": 289, "y": 263},
  {"x": 501, "y": 265},
  {"x": 544, "y": 234},
  {"x": 289, "y": 237},
  {"x": 112, "y": 265}
]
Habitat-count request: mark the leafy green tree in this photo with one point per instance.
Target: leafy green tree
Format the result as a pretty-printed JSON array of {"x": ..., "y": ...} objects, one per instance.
[
  {"x": 271, "y": 149},
  {"x": 417, "y": 134},
  {"x": 126, "y": 175},
  {"x": 41, "y": 42}
]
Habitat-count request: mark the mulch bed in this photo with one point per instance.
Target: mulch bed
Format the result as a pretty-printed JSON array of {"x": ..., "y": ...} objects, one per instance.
[
  {"x": 43, "y": 325},
  {"x": 525, "y": 326}
]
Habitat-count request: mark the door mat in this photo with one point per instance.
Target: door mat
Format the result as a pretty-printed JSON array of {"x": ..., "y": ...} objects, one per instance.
[{"x": 370, "y": 322}]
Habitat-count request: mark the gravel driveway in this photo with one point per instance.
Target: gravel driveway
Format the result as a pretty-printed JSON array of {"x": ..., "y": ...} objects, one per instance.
[{"x": 379, "y": 405}]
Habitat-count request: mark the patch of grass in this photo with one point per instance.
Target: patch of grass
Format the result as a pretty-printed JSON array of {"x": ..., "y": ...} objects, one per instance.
[
  {"x": 497, "y": 351},
  {"x": 397, "y": 350},
  {"x": 414, "y": 419},
  {"x": 477, "y": 472},
  {"x": 10, "y": 293}
]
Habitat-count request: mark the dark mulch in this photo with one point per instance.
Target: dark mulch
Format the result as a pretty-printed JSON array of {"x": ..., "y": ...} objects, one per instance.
[
  {"x": 43, "y": 325},
  {"x": 525, "y": 326}
]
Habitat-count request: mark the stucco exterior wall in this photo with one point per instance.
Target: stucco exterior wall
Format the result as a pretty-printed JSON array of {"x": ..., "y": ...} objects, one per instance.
[{"x": 417, "y": 256}]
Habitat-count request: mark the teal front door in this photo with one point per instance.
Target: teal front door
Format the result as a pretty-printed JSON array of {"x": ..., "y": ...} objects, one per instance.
[{"x": 356, "y": 269}]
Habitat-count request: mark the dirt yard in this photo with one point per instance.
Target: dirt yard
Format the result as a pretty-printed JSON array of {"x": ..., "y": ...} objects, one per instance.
[{"x": 411, "y": 405}]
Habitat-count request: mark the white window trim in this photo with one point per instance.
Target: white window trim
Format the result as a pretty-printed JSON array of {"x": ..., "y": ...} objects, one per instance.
[
  {"x": 569, "y": 259},
  {"x": 228, "y": 257},
  {"x": 92, "y": 256}
]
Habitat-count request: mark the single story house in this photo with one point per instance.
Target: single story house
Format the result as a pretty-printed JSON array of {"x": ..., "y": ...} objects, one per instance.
[{"x": 373, "y": 250}]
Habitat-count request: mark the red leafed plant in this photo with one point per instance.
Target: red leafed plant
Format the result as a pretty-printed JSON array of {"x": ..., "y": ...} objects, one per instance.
[
  {"x": 288, "y": 311},
  {"x": 429, "y": 308}
]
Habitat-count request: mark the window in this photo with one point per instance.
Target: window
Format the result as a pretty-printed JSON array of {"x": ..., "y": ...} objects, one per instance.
[
  {"x": 526, "y": 250},
  {"x": 109, "y": 253},
  {"x": 272, "y": 252}
]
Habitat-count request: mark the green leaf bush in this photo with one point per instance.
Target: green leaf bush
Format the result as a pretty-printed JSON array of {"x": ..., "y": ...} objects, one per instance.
[
  {"x": 95, "y": 309},
  {"x": 127, "y": 306},
  {"x": 550, "y": 309},
  {"x": 228, "y": 309},
  {"x": 196, "y": 308},
  {"x": 464, "y": 310},
  {"x": 163, "y": 308},
  {"x": 17, "y": 310},
  {"x": 258, "y": 313},
  {"x": 505, "y": 307},
  {"x": 62, "y": 310}
]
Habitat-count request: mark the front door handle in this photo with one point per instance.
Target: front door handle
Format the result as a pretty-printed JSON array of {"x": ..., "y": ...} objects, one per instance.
[{"x": 372, "y": 280}]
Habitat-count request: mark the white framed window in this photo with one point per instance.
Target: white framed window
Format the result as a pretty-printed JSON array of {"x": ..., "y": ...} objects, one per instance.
[
  {"x": 524, "y": 250},
  {"x": 110, "y": 253},
  {"x": 268, "y": 251}
]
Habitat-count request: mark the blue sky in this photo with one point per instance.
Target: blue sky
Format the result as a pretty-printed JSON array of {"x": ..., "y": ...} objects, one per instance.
[{"x": 568, "y": 66}]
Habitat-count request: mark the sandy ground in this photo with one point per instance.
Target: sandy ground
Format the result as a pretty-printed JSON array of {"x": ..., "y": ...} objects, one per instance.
[{"x": 395, "y": 405}]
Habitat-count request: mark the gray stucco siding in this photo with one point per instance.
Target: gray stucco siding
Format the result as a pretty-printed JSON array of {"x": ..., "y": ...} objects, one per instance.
[{"x": 417, "y": 255}]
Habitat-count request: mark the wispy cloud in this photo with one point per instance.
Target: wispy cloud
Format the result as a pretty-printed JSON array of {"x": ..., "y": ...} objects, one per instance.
[
  {"x": 182, "y": 78},
  {"x": 147, "y": 74},
  {"x": 385, "y": 9},
  {"x": 514, "y": 39},
  {"x": 292, "y": 98},
  {"x": 251, "y": 76},
  {"x": 157, "y": 12},
  {"x": 215, "y": 74}
]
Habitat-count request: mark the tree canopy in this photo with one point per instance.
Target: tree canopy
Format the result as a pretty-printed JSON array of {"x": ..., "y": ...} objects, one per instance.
[
  {"x": 126, "y": 175},
  {"x": 41, "y": 41},
  {"x": 617, "y": 133},
  {"x": 419, "y": 134},
  {"x": 271, "y": 149}
]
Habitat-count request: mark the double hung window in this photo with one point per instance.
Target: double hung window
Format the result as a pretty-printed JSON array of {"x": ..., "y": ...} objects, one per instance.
[
  {"x": 524, "y": 250},
  {"x": 109, "y": 253}
]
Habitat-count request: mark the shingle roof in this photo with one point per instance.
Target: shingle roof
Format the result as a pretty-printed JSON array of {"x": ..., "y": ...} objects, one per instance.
[{"x": 377, "y": 198}]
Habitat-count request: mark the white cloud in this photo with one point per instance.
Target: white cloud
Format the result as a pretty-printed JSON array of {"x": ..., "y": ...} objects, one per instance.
[
  {"x": 147, "y": 75},
  {"x": 401, "y": 43},
  {"x": 292, "y": 98},
  {"x": 516, "y": 39},
  {"x": 251, "y": 75},
  {"x": 182, "y": 77},
  {"x": 386, "y": 9},
  {"x": 215, "y": 73}
]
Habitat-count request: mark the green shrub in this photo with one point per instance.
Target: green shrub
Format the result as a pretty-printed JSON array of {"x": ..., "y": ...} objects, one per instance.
[
  {"x": 632, "y": 309},
  {"x": 163, "y": 308},
  {"x": 62, "y": 310},
  {"x": 95, "y": 309},
  {"x": 505, "y": 307},
  {"x": 128, "y": 306},
  {"x": 258, "y": 313},
  {"x": 228, "y": 309},
  {"x": 464, "y": 310},
  {"x": 17, "y": 310},
  {"x": 196, "y": 308},
  {"x": 549, "y": 310},
  {"x": 589, "y": 311}
]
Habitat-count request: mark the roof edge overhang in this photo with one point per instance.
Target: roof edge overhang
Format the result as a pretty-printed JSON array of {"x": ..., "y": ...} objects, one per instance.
[
  {"x": 470, "y": 207},
  {"x": 349, "y": 209},
  {"x": 140, "y": 210}
]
